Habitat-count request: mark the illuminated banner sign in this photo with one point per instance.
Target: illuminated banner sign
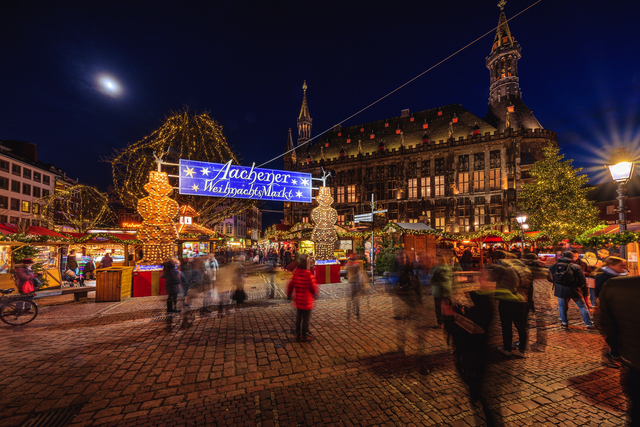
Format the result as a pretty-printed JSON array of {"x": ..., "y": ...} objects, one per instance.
[{"x": 243, "y": 182}]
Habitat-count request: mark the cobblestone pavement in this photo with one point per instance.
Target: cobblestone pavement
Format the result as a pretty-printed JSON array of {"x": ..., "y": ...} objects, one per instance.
[{"x": 129, "y": 364}]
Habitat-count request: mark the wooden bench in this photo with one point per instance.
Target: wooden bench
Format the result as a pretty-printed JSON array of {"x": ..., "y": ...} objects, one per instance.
[{"x": 79, "y": 294}]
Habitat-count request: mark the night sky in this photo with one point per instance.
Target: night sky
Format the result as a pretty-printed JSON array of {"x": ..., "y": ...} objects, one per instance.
[{"x": 245, "y": 62}]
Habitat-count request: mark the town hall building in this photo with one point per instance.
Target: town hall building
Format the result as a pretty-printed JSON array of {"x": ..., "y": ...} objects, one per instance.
[{"x": 443, "y": 166}]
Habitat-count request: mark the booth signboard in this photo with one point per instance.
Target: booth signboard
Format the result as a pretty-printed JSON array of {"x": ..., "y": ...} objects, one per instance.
[{"x": 234, "y": 181}]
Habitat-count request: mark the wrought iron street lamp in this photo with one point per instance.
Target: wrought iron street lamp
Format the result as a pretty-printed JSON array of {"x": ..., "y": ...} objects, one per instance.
[
  {"x": 621, "y": 174},
  {"x": 522, "y": 221}
]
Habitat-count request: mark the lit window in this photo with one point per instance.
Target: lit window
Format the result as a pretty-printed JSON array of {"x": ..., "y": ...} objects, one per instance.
[
  {"x": 425, "y": 186},
  {"x": 413, "y": 188},
  {"x": 305, "y": 219},
  {"x": 495, "y": 179},
  {"x": 26, "y": 206},
  {"x": 463, "y": 182},
  {"x": 351, "y": 194},
  {"x": 611, "y": 209},
  {"x": 479, "y": 215},
  {"x": 340, "y": 219},
  {"x": 440, "y": 220},
  {"x": 439, "y": 186},
  {"x": 340, "y": 195},
  {"x": 478, "y": 181}
]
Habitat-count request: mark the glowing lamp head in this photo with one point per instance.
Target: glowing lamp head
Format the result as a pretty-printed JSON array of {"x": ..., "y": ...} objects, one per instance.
[
  {"x": 521, "y": 218},
  {"x": 621, "y": 172}
]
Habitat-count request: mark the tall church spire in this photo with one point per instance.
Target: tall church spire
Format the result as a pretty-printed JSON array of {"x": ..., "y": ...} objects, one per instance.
[
  {"x": 290, "y": 148},
  {"x": 304, "y": 119},
  {"x": 504, "y": 89}
]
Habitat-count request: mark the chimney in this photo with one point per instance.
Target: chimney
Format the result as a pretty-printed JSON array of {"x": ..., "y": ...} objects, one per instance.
[{"x": 404, "y": 113}]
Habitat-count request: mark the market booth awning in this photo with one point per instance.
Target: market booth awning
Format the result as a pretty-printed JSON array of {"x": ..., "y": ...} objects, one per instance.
[
  {"x": 101, "y": 238},
  {"x": 6, "y": 228},
  {"x": 615, "y": 229}
]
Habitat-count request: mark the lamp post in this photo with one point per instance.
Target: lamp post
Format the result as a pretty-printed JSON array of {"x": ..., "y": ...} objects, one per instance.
[
  {"x": 522, "y": 219},
  {"x": 621, "y": 174}
]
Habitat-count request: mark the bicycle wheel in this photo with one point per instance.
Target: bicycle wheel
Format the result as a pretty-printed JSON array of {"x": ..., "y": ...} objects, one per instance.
[{"x": 17, "y": 313}]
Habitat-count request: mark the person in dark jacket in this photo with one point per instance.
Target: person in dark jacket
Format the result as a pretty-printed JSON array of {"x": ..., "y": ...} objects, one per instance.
[
  {"x": 441, "y": 283},
  {"x": 107, "y": 261},
  {"x": 302, "y": 289},
  {"x": 23, "y": 274},
  {"x": 565, "y": 293},
  {"x": 171, "y": 278},
  {"x": 465, "y": 260},
  {"x": 72, "y": 264},
  {"x": 89, "y": 268},
  {"x": 619, "y": 302},
  {"x": 586, "y": 270}
]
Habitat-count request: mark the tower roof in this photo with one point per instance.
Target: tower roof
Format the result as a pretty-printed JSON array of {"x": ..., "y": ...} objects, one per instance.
[
  {"x": 289, "y": 141},
  {"x": 304, "y": 110},
  {"x": 503, "y": 33}
]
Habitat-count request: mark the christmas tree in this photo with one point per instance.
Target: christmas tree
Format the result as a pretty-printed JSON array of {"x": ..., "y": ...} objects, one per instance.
[{"x": 556, "y": 201}]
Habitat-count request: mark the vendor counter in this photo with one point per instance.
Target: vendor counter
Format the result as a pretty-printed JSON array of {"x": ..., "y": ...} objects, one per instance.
[{"x": 147, "y": 283}]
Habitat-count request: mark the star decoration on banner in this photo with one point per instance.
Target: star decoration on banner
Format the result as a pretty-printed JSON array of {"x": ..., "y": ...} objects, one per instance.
[
  {"x": 189, "y": 172},
  {"x": 294, "y": 181},
  {"x": 305, "y": 181},
  {"x": 298, "y": 194},
  {"x": 194, "y": 187},
  {"x": 205, "y": 171}
]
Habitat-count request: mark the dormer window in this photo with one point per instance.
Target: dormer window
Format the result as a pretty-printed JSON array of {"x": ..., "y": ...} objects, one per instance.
[
  {"x": 361, "y": 129},
  {"x": 425, "y": 125},
  {"x": 342, "y": 153},
  {"x": 349, "y": 139},
  {"x": 511, "y": 108},
  {"x": 476, "y": 130},
  {"x": 440, "y": 112},
  {"x": 326, "y": 144},
  {"x": 386, "y": 124},
  {"x": 373, "y": 135},
  {"x": 339, "y": 133},
  {"x": 412, "y": 118},
  {"x": 454, "y": 119},
  {"x": 308, "y": 159},
  {"x": 398, "y": 130}
]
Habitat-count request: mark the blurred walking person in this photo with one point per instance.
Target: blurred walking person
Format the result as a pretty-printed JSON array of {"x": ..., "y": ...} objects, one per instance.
[
  {"x": 302, "y": 289},
  {"x": 619, "y": 302},
  {"x": 355, "y": 287},
  {"x": 568, "y": 279},
  {"x": 441, "y": 278},
  {"x": 171, "y": 278}
]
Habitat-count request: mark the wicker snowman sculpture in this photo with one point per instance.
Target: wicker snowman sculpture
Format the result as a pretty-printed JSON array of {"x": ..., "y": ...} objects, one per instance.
[
  {"x": 158, "y": 231},
  {"x": 324, "y": 233}
]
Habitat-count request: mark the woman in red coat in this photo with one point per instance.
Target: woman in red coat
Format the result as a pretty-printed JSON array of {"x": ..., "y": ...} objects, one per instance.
[{"x": 303, "y": 288}]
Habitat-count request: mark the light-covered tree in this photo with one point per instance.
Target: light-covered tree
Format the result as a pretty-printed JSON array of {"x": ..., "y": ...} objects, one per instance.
[
  {"x": 184, "y": 135},
  {"x": 80, "y": 207},
  {"x": 556, "y": 201}
]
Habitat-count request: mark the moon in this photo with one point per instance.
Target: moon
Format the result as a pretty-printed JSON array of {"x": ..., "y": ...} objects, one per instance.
[{"x": 108, "y": 85}]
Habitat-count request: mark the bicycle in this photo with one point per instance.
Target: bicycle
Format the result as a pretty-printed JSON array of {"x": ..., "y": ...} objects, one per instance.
[{"x": 17, "y": 310}]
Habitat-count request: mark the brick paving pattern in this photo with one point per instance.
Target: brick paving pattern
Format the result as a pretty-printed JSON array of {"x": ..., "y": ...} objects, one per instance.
[{"x": 129, "y": 364}]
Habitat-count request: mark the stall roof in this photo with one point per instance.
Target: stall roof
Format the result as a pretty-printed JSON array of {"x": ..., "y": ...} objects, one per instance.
[
  {"x": 613, "y": 229},
  {"x": 414, "y": 226},
  {"x": 99, "y": 239},
  {"x": 6, "y": 228}
]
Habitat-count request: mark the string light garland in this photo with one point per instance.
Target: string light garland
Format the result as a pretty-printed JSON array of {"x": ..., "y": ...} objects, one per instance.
[
  {"x": 158, "y": 231},
  {"x": 324, "y": 233},
  {"x": 80, "y": 207}
]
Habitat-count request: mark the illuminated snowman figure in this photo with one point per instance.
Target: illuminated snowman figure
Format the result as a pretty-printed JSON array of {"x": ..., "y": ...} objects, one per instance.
[
  {"x": 324, "y": 233},
  {"x": 158, "y": 231}
]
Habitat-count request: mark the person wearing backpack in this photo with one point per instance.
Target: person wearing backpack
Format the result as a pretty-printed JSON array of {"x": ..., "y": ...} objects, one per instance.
[{"x": 568, "y": 279}]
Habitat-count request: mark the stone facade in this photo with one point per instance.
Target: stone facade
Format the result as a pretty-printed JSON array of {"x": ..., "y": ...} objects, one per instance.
[{"x": 443, "y": 166}]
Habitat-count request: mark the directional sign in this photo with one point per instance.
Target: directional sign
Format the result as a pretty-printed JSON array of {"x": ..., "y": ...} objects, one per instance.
[
  {"x": 382, "y": 211},
  {"x": 234, "y": 181},
  {"x": 363, "y": 218}
]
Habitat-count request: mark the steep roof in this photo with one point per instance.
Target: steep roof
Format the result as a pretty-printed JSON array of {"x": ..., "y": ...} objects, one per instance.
[
  {"x": 521, "y": 117},
  {"x": 304, "y": 110},
  {"x": 411, "y": 129}
]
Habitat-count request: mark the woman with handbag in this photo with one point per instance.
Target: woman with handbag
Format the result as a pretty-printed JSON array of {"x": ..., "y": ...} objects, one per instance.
[
  {"x": 302, "y": 289},
  {"x": 25, "y": 278}
]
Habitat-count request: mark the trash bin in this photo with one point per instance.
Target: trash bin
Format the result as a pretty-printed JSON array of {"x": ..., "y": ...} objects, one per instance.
[{"x": 113, "y": 284}]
